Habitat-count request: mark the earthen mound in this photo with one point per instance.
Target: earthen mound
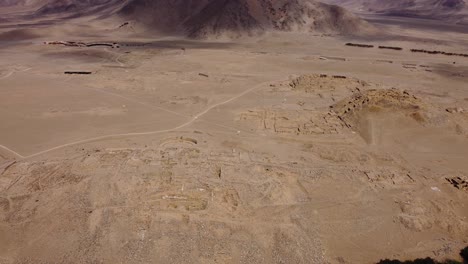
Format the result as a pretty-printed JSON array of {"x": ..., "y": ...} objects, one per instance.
[
  {"x": 312, "y": 83},
  {"x": 373, "y": 113},
  {"x": 378, "y": 100}
]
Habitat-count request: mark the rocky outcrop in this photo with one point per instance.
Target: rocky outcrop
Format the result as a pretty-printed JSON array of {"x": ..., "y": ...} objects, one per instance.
[{"x": 209, "y": 18}]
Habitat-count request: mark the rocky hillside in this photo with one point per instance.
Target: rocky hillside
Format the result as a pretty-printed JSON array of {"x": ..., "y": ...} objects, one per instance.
[
  {"x": 448, "y": 10},
  {"x": 237, "y": 17},
  {"x": 211, "y": 18},
  {"x": 77, "y": 7},
  {"x": 163, "y": 15},
  {"x": 8, "y": 3}
]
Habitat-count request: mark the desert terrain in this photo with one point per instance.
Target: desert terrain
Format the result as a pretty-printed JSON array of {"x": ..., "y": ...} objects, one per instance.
[
  {"x": 242, "y": 140},
  {"x": 454, "y": 11}
]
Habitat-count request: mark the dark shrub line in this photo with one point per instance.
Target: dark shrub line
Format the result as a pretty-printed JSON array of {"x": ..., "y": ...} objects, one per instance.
[
  {"x": 77, "y": 72},
  {"x": 412, "y": 50},
  {"x": 124, "y": 24},
  {"x": 439, "y": 52},
  {"x": 392, "y": 48},
  {"x": 333, "y": 76},
  {"x": 112, "y": 45},
  {"x": 359, "y": 45},
  {"x": 81, "y": 44}
]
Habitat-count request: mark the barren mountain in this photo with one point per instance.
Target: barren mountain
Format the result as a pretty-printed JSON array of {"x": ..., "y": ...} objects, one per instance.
[
  {"x": 163, "y": 15},
  {"x": 449, "y": 10},
  {"x": 7, "y": 3},
  {"x": 236, "y": 17},
  {"x": 77, "y": 7},
  {"x": 21, "y": 2},
  {"x": 205, "y": 18}
]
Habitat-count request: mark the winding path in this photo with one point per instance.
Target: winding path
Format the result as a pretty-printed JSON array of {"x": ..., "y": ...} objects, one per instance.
[
  {"x": 12, "y": 151},
  {"x": 1, "y": 146},
  {"x": 112, "y": 136}
]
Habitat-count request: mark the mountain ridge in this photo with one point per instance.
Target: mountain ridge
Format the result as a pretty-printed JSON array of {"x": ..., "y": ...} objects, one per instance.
[
  {"x": 455, "y": 11},
  {"x": 210, "y": 18}
]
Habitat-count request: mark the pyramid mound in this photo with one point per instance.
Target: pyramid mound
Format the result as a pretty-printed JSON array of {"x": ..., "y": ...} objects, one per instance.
[
  {"x": 312, "y": 83},
  {"x": 359, "y": 110},
  {"x": 374, "y": 100}
]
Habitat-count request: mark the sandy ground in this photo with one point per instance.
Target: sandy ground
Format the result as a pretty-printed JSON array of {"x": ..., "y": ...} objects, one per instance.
[{"x": 180, "y": 151}]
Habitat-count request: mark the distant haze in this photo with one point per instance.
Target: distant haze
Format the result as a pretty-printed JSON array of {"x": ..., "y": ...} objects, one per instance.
[{"x": 448, "y": 10}]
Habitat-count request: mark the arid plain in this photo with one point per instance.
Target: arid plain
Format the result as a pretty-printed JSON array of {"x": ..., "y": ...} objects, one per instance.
[{"x": 278, "y": 148}]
